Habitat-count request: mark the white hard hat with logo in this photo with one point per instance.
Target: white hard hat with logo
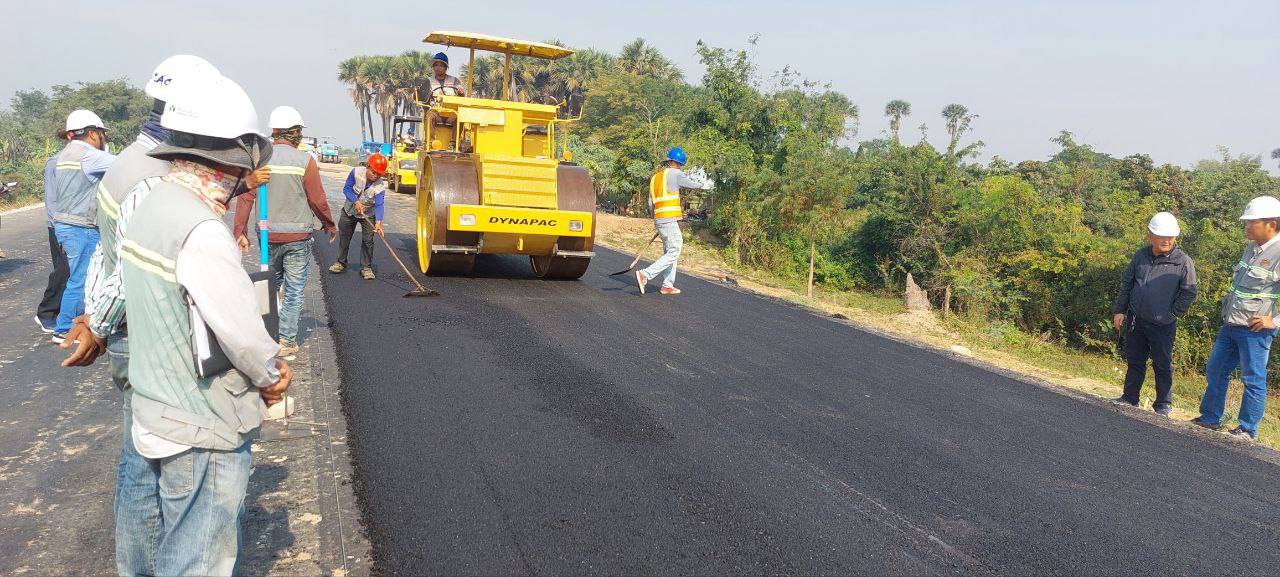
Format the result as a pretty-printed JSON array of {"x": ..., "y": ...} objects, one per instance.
[
  {"x": 80, "y": 119},
  {"x": 214, "y": 119},
  {"x": 1164, "y": 224},
  {"x": 1261, "y": 207},
  {"x": 285, "y": 117},
  {"x": 170, "y": 74}
]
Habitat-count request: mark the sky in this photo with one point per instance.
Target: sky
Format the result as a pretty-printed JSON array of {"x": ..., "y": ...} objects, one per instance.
[{"x": 1174, "y": 79}]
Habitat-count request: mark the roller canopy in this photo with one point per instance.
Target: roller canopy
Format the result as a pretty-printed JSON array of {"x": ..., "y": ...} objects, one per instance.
[{"x": 497, "y": 44}]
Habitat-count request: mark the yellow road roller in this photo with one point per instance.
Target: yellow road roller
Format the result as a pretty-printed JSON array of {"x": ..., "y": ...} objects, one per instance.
[{"x": 490, "y": 177}]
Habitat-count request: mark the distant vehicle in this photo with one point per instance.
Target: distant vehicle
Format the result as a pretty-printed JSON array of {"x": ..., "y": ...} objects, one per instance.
[
  {"x": 328, "y": 153},
  {"x": 369, "y": 147},
  {"x": 402, "y": 171},
  {"x": 308, "y": 144}
]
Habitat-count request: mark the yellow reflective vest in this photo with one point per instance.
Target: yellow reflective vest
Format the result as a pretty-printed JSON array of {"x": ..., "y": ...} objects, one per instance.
[{"x": 666, "y": 202}]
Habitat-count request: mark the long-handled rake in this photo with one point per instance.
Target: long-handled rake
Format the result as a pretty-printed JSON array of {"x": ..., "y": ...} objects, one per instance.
[
  {"x": 637, "y": 259},
  {"x": 419, "y": 291}
]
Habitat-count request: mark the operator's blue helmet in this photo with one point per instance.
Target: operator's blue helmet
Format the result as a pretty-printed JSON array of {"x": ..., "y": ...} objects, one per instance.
[
  {"x": 440, "y": 57},
  {"x": 677, "y": 155}
]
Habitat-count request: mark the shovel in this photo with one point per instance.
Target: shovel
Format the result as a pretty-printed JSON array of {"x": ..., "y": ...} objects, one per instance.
[
  {"x": 637, "y": 259},
  {"x": 419, "y": 291}
]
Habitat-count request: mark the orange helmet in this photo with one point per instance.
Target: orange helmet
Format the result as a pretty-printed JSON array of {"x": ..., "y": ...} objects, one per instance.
[{"x": 377, "y": 163}]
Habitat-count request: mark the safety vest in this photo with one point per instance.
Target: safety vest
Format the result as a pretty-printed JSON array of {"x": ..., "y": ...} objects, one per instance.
[
  {"x": 170, "y": 399},
  {"x": 1255, "y": 286},
  {"x": 287, "y": 207},
  {"x": 666, "y": 202},
  {"x": 365, "y": 192},
  {"x": 131, "y": 167},
  {"x": 76, "y": 200}
]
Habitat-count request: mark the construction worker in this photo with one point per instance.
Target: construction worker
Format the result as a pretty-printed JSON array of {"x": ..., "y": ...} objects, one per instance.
[
  {"x": 47, "y": 310},
  {"x": 79, "y": 167},
  {"x": 440, "y": 81},
  {"x": 101, "y": 328},
  {"x": 296, "y": 205},
  {"x": 1158, "y": 288},
  {"x": 179, "y": 262},
  {"x": 365, "y": 189},
  {"x": 1249, "y": 323},
  {"x": 664, "y": 199}
]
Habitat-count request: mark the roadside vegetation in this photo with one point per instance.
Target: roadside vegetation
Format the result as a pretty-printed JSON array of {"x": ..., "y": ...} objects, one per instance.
[
  {"x": 31, "y": 129},
  {"x": 1022, "y": 256}
]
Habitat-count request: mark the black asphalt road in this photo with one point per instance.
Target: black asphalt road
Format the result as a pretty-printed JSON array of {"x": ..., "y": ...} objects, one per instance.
[{"x": 517, "y": 426}]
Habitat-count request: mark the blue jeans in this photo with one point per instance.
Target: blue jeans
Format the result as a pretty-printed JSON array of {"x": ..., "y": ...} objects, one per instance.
[
  {"x": 672, "y": 242},
  {"x": 138, "y": 522},
  {"x": 291, "y": 262},
  {"x": 180, "y": 515},
  {"x": 78, "y": 243},
  {"x": 1237, "y": 346}
]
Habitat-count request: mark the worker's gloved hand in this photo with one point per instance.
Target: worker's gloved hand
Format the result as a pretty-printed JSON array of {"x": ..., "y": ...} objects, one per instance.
[
  {"x": 258, "y": 177},
  {"x": 88, "y": 346},
  {"x": 377, "y": 229},
  {"x": 275, "y": 393},
  {"x": 243, "y": 243}
]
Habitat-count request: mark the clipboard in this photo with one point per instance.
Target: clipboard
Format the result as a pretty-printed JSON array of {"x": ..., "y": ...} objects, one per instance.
[{"x": 210, "y": 360}]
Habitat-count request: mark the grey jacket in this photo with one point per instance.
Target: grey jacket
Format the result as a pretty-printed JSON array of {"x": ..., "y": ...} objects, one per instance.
[{"x": 1158, "y": 289}]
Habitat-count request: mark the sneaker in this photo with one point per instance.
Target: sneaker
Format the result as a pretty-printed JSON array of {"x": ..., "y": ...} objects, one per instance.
[
  {"x": 669, "y": 290},
  {"x": 287, "y": 349},
  {"x": 337, "y": 267},
  {"x": 366, "y": 273},
  {"x": 59, "y": 338},
  {"x": 1163, "y": 410},
  {"x": 641, "y": 280},
  {"x": 1211, "y": 426},
  {"x": 1239, "y": 433},
  {"x": 1120, "y": 400},
  {"x": 46, "y": 328}
]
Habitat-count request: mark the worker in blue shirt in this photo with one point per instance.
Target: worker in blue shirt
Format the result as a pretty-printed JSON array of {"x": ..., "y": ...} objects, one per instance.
[{"x": 365, "y": 189}]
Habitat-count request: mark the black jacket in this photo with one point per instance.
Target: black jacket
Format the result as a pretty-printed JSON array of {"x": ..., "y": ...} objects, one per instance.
[{"x": 1158, "y": 289}]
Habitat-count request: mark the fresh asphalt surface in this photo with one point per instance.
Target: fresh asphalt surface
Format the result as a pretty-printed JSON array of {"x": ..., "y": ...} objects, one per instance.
[{"x": 519, "y": 426}]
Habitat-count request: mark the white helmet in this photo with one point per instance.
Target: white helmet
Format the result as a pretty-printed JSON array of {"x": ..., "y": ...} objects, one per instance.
[
  {"x": 1261, "y": 207},
  {"x": 284, "y": 117},
  {"x": 214, "y": 119},
  {"x": 176, "y": 70},
  {"x": 215, "y": 107},
  {"x": 1164, "y": 224},
  {"x": 79, "y": 119}
]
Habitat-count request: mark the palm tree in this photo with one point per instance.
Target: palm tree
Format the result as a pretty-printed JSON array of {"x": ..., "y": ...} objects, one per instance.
[
  {"x": 350, "y": 71},
  {"x": 895, "y": 110},
  {"x": 637, "y": 57},
  {"x": 958, "y": 119}
]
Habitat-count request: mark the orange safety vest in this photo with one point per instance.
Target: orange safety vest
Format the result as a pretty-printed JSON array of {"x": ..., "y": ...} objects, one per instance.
[{"x": 666, "y": 203}]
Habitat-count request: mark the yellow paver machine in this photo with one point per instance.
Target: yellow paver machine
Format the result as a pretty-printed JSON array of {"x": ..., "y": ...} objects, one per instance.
[{"x": 490, "y": 177}]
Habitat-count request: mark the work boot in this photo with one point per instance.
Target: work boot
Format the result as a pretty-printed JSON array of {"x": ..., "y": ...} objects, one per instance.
[
  {"x": 1243, "y": 435},
  {"x": 1120, "y": 400},
  {"x": 337, "y": 267},
  {"x": 366, "y": 273},
  {"x": 287, "y": 349},
  {"x": 1211, "y": 426},
  {"x": 641, "y": 280},
  {"x": 669, "y": 290}
]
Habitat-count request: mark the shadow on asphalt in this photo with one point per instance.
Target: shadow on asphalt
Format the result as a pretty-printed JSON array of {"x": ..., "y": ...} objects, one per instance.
[
  {"x": 265, "y": 534},
  {"x": 8, "y": 265}
]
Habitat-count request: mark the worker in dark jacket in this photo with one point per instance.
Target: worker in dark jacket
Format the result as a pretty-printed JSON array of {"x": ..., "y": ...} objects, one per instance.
[{"x": 1159, "y": 286}]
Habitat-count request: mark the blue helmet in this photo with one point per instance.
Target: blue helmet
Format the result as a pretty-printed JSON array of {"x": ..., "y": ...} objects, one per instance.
[
  {"x": 677, "y": 155},
  {"x": 441, "y": 57}
]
